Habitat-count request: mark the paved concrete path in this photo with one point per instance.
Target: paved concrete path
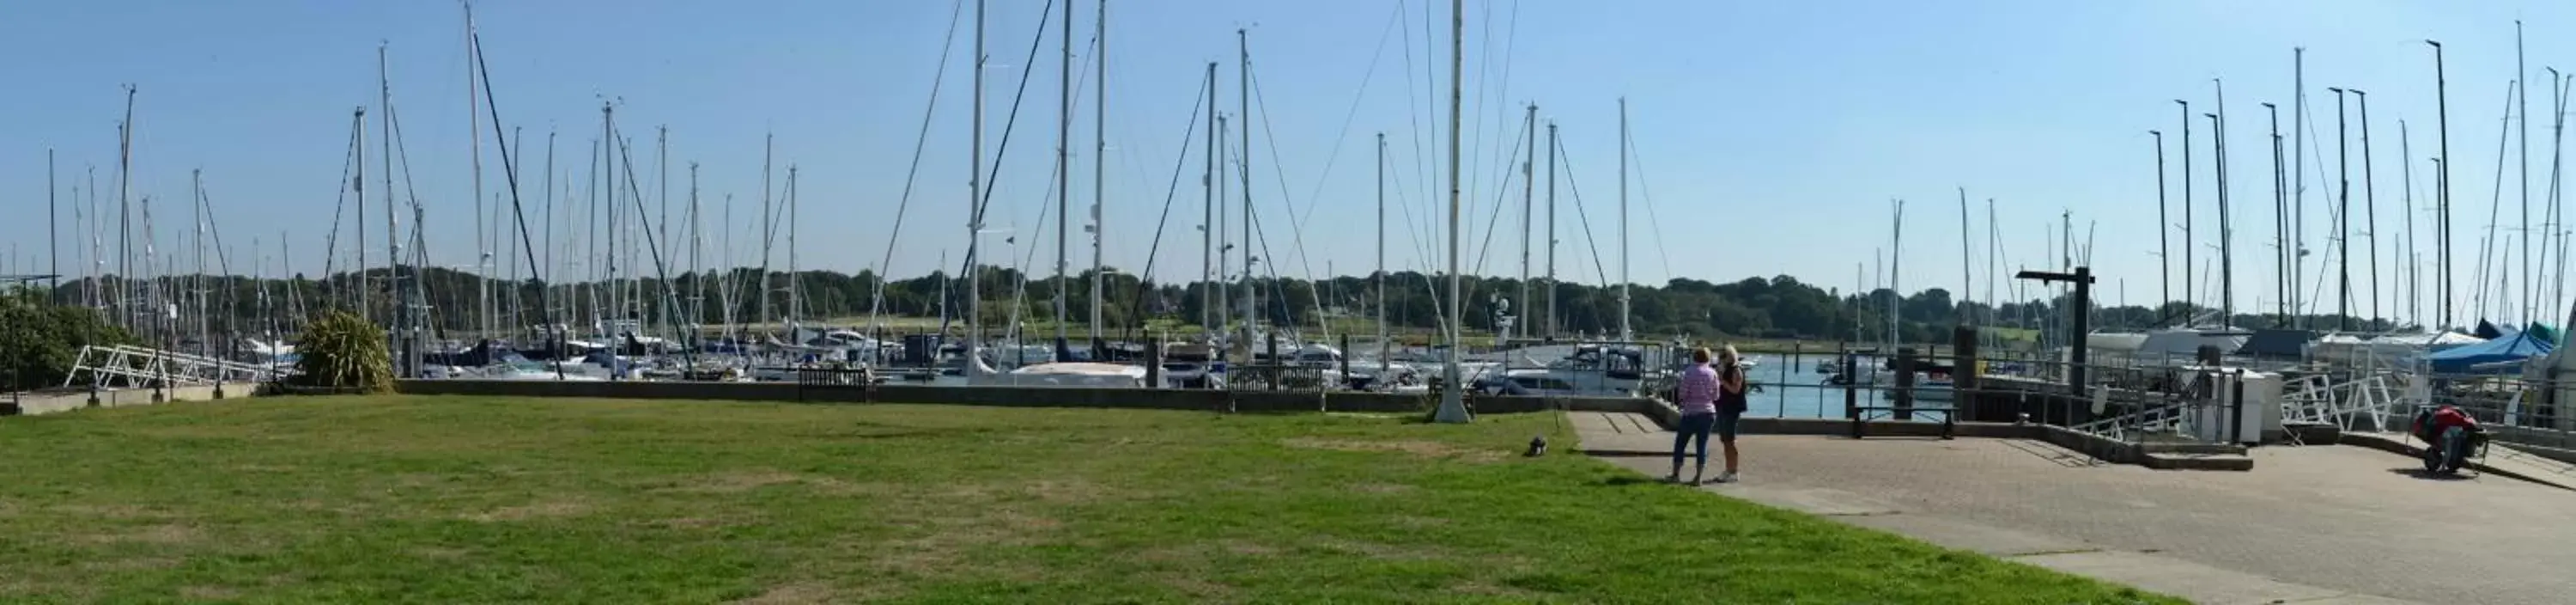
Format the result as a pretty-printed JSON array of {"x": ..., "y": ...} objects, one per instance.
[{"x": 2310, "y": 525}]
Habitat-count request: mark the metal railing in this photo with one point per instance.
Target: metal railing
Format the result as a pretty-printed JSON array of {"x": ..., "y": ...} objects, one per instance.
[{"x": 124, "y": 366}]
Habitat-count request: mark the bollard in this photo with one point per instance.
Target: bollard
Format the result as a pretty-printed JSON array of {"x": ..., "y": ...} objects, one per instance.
[
  {"x": 1345, "y": 358},
  {"x": 1851, "y": 390},
  {"x": 1905, "y": 360},
  {"x": 1153, "y": 364},
  {"x": 1276, "y": 373},
  {"x": 1964, "y": 378}
]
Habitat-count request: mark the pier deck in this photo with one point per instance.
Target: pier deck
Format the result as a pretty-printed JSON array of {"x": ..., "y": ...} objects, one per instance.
[{"x": 2321, "y": 524}]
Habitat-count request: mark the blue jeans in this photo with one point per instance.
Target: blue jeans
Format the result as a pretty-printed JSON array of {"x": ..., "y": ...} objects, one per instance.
[{"x": 1693, "y": 426}]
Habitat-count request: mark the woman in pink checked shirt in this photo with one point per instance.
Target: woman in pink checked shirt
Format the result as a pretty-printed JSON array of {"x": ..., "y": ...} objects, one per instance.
[{"x": 1697, "y": 394}]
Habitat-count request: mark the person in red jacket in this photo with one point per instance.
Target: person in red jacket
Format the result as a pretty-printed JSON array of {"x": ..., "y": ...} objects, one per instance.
[{"x": 2446, "y": 431}]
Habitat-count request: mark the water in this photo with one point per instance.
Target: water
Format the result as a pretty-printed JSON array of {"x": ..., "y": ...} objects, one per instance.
[{"x": 1791, "y": 388}]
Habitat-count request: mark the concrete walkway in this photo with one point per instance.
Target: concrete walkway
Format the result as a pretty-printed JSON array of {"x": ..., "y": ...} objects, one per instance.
[{"x": 2311, "y": 525}]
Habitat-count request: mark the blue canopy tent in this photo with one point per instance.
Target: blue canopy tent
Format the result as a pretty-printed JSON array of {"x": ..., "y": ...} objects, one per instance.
[{"x": 2495, "y": 356}]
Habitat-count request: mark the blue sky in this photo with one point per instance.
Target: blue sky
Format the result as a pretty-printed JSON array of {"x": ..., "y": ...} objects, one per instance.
[{"x": 1769, "y": 136}]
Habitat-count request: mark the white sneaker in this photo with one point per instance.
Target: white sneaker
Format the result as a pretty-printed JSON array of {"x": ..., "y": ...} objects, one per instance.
[{"x": 1726, "y": 477}]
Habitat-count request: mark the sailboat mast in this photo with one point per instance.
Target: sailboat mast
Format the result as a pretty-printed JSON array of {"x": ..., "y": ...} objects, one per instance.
[
  {"x": 385, "y": 132},
  {"x": 1378, "y": 279},
  {"x": 697, "y": 275},
  {"x": 1994, "y": 260},
  {"x": 1967, "y": 276},
  {"x": 661, "y": 228},
  {"x": 1224, "y": 301},
  {"x": 2406, "y": 179},
  {"x": 53, "y": 235},
  {"x": 2298, "y": 248},
  {"x": 1895, "y": 260},
  {"x": 2557, "y": 144},
  {"x": 975, "y": 211},
  {"x": 1243, "y": 115},
  {"x": 2343, "y": 222},
  {"x": 1626, "y": 331},
  {"x": 769, "y": 228},
  {"x": 197, "y": 215},
  {"x": 1064, "y": 180},
  {"x": 2164, "y": 231},
  {"x": 1453, "y": 406},
  {"x": 1099, "y": 166},
  {"x": 1529, "y": 198},
  {"x": 2281, "y": 253},
  {"x": 2189, "y": 303},
  {"x": 1548, "y": 325},
  {"x": 2370, "y": 212},
  {"x": 2226, "y": 229},
  {"x": 795, "y": 293},
  {"x": 551, "y": 334},
  {"x": 483, "y": 241},
  {"x": 2522, "y": 97},
  {"x": 2442, "y": 182},
  {"x": 1209, "y": 302},
  {"x": 608, "y": 191},
  {"x": 124, "y": 213}
]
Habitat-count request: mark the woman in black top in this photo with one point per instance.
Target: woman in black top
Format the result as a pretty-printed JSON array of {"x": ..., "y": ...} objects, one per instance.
[{"x": 1730, "y": 406}]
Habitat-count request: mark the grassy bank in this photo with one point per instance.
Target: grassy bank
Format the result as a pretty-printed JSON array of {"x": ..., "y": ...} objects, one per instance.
[{"x": 448, "y": 500}]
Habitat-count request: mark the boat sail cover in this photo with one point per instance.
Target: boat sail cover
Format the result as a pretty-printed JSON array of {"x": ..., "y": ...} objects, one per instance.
[{"x": 2494, "y": 356}]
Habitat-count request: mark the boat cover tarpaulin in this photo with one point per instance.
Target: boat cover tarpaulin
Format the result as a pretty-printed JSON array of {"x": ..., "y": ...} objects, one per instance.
[
  {"x": 2487, "y": 357},
  {"x": 2184, "y": 344},
  {"x": 2348, "y": 348},
  {"x": 2277, "y": 344}
]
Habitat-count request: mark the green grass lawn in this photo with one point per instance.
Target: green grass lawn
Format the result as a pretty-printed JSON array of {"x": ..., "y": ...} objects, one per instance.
[{"x": 464, "y": 500}]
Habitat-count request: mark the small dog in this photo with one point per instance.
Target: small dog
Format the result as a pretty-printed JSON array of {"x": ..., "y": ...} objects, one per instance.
[{"x": 1537, "y": 446}]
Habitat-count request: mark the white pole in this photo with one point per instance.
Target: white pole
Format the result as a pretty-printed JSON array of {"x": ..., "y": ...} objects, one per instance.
[{"x": 1453, "y": 405}]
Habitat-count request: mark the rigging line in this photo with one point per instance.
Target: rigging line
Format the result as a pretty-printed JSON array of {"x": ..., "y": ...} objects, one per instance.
[
  {"x": 1347, "y": 118},
  {"x": 331, "y": 240},
  {"x": 1419, "y": 234},
  {"x": 223, "y": 257},
  {"x": 1295, "y": 231},
  {"x": 1475, "y": 181},
  {"x": 1502, "y": 117},
  {"x": 420, "y": 246},
  {"x": 1277, "y": 285},
  {"x": 644, "y": 220},
  {"x": 1010, "y": 124},
  {"x": 1502, "y": 191},
  {"x": 1417, "y": 136},
  {"x": 1576, "y": 191},
  {"x": 1654, "y": 224},
  {"x": 1198, "y": 102},
  {"x": 1431, "y": 109},
  {"x": 511, "y": 169},
  {"x": 876, "y": 298},
  {"x": 2487, "y": 244},
  {"x": 1047, "y": 201}
]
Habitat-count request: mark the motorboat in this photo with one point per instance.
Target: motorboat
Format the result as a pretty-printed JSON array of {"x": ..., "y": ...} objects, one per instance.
[
  {"x": 1077, "y": 374},
  {"x": 1591, "y": 370}
]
